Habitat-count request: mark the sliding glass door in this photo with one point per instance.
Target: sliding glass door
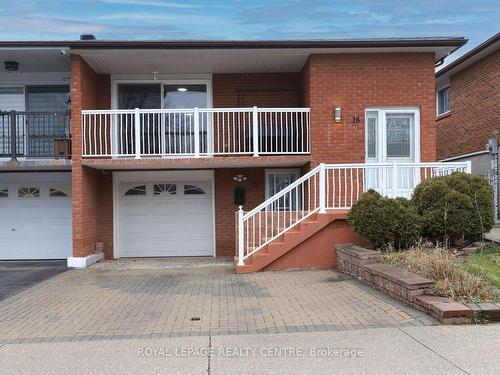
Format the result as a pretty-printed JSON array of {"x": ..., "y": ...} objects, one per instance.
[
  {"x": 179, "y": 126},
  {"x": 170, "y": 133}
]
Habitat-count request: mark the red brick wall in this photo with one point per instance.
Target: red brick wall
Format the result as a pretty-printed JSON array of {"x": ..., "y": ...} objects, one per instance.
[
  {"x": 92, "y": 210},
  {"x": 357, "y": 81},
  {"x": 352, "y": 81},
  {"x": 257, "y": 89},
  {"x": 225, "y": 209},
  {"x": 474, "y": 109}
]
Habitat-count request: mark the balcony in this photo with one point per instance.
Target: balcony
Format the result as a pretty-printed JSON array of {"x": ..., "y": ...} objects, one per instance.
[
  {"x": 31, "y": 138},
  {"x": 195, "y": 132}
]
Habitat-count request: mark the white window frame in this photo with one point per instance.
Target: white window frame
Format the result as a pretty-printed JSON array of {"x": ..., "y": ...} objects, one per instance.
[
  {"x": 447, "y": 86},
  {"x": 381, "y": 142},
  {"x": 274, "y": 171},
  {"x": 171, "y": 81}
]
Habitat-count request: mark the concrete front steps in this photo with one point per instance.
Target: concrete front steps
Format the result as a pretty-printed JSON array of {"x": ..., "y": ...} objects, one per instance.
[{"x": 288, "y": 241}]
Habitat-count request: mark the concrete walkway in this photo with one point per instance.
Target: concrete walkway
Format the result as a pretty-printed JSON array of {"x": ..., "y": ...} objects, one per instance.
[
  {"x": 494, "y": 234},
  {"x": 415, "y": 350}
]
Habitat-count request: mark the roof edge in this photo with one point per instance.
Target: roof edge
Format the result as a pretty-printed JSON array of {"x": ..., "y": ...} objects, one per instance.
[
  {"x": 487, "y": 43},
  {"x": 233, "y": 44}
]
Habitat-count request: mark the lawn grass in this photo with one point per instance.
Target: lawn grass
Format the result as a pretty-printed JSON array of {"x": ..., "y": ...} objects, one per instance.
[{"x": 485, "y": 264}]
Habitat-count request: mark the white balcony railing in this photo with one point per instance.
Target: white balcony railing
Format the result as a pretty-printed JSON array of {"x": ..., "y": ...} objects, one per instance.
[
  {"x": 195, "y": 132},
  {"x": 330, "y": 187}
]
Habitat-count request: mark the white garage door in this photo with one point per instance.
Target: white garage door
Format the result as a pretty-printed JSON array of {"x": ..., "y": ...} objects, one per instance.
[
  {"x": 173, "y": 218},
  {"x": 35, "y": 215}
]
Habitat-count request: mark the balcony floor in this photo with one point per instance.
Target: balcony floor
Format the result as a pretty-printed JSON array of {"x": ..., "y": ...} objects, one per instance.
[
  {"x": 35, "y": 165},
  {"x": 199, "y": 163}
]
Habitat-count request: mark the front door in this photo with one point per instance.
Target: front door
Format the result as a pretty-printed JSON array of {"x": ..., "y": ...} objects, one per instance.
[{"x": 392, "y": 136}]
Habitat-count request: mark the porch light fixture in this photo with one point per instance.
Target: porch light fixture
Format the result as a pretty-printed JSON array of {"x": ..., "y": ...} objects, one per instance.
[
  {"x": 337, "y": 114},
  {"x": 155, "y": 75},
  {"x": 240, "y": 178},
  {"x": 11, "y": 66},
  {"x": 182, "y": 89}
]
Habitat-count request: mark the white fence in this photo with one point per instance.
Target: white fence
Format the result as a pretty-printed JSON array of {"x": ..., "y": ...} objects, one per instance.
[
  {"x": 195, "y": 132},
  {"x": 329, "y": 187}
]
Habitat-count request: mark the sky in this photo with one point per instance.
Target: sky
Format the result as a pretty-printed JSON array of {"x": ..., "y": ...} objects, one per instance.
[{"x": 282, "y": 19}]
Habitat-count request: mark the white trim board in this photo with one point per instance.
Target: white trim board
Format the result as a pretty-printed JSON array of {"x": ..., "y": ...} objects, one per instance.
[{"x": 465, "y": 155}]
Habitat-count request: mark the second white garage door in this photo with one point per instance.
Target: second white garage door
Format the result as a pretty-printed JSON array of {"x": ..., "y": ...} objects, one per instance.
[
  {"x": 165, "y": 218},
  {"x": 35, "y": 216}
]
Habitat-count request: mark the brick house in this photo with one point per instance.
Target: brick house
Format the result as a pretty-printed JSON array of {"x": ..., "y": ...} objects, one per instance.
[
  {"x": 468, "y": 110},
  {"x": 209, "y": 148}
]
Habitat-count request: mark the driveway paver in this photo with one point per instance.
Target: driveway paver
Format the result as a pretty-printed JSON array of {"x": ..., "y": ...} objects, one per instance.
[{"x": 154, "y": 298}]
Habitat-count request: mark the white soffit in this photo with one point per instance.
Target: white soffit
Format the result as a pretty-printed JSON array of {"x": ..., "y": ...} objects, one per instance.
[
  {"x": 36, "y": 60},
  {"x": 220, "y": 60}
]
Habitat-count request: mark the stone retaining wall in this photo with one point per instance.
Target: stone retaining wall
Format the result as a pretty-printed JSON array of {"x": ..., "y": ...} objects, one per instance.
[{"x": 407, "y": 287}]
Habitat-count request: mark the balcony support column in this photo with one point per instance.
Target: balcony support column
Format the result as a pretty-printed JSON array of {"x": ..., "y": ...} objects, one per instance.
[
  {"x": 255, "y": 131},
  {"x": 13, "y": 136},
  {"x": 196, "y": 122},
  {"x": 137, "y": 133}
]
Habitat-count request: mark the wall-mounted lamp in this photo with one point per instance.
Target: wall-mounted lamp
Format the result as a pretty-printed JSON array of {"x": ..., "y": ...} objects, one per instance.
[
  {"x": 337, "y": 114},
  {"x": 240, "y": 178},
  {"x": 155, "y": 75}
]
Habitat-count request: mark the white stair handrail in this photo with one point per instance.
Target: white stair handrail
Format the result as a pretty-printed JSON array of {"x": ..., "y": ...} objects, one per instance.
[
  {"x": 281, "y": 193},
  {"x": 335, "y": 186}
]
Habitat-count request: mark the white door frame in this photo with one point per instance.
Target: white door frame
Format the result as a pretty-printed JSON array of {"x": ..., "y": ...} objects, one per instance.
[
  {"x": 379, "y": 179},
  {"x": 146, "y": 176},
  {"x": 382, "y": 134}
]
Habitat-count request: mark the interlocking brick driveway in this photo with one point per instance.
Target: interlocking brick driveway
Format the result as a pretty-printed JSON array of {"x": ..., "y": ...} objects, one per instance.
[{"x": 158, "y": 298}]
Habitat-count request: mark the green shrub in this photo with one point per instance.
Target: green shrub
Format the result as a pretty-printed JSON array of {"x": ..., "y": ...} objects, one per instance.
[
  {"x": 454, "y": 208},
  {"x": 385, "y": 222}
]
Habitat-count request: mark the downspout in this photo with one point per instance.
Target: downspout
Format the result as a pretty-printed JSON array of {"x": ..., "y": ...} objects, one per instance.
[{"x": 439, "y": 63}]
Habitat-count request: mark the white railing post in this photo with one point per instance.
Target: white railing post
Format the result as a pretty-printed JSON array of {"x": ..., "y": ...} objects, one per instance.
[
  {"x": 241, "y": 238},
  {"x": 255, "y": 127},
  {"x": 196, "y": 133},
  {"x": 394, "y": 180},
  {"x": 137, "y": 133},
  {"x": 322, "y": 189},
  {"x": 468, "y": 166}
]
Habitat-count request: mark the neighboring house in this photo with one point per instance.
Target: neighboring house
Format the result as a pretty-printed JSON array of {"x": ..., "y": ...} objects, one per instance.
[
  {"x": 468, "y": 110},
  {"x": 169, "y": 138}
]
